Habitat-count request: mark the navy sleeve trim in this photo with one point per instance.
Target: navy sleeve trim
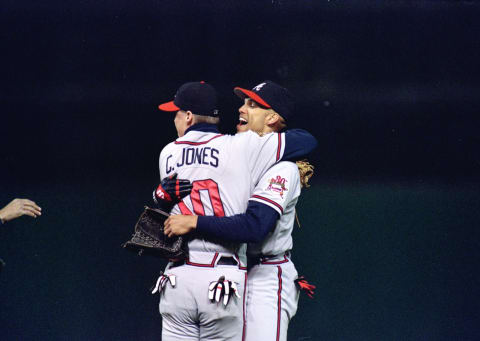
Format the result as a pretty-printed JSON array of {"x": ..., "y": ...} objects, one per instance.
[
  {"x": 269, "y": 201},
  {"x": 250, "y": 227}
]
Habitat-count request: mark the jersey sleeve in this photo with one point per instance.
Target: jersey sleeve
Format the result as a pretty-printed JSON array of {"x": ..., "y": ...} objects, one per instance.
[
  {"x": 278, "y": 186},
  {"x": 265, "y": 151},
  {"x": 260, "y": 152},
  {"x": 298, "y": 143}
]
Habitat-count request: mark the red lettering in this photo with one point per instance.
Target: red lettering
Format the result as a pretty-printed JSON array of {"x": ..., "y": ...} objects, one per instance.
[{"x": 213, "y": 192}]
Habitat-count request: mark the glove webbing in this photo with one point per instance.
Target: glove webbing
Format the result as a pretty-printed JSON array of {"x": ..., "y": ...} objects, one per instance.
[{"x": 306, "y": 172}]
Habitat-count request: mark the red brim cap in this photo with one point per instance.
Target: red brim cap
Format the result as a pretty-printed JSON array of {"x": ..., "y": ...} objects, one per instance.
[
  {"x": 242, "y": 93},
  {"x": 169, "y": 106}
]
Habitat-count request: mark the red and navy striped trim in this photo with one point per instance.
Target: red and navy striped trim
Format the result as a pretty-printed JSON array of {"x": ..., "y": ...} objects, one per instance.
[
  {"x": 211, "y": 265},
  {"x": 198, "y": 143},
  {"x": 214, "y": 260},
  {"x": 279, "y": 304},
  {"x": 284, "y": 260},
  {"x": 269, "y": 201},
  {"x": 279, "y": 148},
  {"x": 244, "y": 307}
]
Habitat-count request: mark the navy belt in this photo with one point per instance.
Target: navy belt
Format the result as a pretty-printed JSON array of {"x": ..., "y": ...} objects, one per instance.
[
  {"x": 224, "y": 260},
  {"x": 227, "y": 261},
  {"x": 268, "y": 259}
]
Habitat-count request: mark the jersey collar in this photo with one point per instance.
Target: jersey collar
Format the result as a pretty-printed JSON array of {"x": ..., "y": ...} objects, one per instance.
[{"x": 204, "y": 127}]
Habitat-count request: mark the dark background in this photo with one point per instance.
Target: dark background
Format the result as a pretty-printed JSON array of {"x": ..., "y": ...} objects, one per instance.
[{"x": 391, "y": 90}]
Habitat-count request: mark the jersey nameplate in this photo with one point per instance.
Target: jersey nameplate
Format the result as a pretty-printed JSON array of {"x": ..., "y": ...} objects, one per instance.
[{"x": 191, "y": 155}]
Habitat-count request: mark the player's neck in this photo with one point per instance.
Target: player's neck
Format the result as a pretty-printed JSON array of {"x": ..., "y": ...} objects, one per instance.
[
  {"x": 267, "y": 130},
  {"x": 204, "y": 127}
]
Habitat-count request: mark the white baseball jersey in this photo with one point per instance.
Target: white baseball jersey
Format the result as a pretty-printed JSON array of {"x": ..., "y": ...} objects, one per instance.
[
  {"x": 224, "y": 170},
  {"x": 272, "y": 296},
  {"x": 278, "y": 188}
]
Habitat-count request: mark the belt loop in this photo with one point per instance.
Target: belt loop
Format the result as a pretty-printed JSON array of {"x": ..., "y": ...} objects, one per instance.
[
  {"x": 275, "y": 259},
  {"x": 224, "y": 260}
]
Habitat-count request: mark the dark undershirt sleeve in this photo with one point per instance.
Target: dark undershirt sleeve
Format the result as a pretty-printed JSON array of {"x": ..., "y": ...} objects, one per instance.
[
  {"x": 298, "y": 143},
  {"x": 249, "y": 227}
]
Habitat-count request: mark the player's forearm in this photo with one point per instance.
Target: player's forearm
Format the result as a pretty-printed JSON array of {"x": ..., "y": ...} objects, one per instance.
[
  {"x": 298, "y": 143},
  {"x": 8, "y": 213},
  {"x": 249, "y": 227}
]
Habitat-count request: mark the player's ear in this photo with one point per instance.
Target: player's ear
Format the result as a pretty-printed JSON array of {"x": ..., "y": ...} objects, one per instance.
[
  {"x": 276, "y": 122},
  {"x": 272, "y": 118},
  {"x": 189, "y": 117}
]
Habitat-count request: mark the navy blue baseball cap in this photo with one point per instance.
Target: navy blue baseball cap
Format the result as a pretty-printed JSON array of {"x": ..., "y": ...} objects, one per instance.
[
  {"x": 198, "y": 97},
  {"x": 270, "y": 95}
]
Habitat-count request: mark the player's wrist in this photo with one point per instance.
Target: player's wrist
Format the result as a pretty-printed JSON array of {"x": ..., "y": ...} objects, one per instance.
[{"x": 3, "y": 218}]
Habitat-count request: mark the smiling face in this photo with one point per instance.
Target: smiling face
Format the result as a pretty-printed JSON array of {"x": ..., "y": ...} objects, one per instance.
[{"x": 252, "y": 117}]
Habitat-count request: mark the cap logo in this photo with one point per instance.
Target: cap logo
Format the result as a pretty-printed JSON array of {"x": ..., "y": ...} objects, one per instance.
[
  {"x": 215, "y": 112},
  {"x": 259, "y": 87}
]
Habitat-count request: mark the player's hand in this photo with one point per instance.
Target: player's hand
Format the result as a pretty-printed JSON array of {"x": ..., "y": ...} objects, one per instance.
[
  {"x": 221, "y": 288},
  {"x": 172, "y": 190},
  {"x": 178, "y": 225},
  {"x": 19, "y": 207}
]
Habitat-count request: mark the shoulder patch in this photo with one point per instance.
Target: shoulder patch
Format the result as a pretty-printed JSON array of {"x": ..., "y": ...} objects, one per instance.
[{"x": 277, "y": 185}]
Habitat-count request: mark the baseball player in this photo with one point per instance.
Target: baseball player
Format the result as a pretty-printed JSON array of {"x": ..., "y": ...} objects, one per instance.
[
  {"x": 272, "y": 297},
  {"x": 223, "y": 170}
]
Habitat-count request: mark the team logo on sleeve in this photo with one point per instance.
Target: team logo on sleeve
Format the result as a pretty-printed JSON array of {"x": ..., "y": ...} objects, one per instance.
[{"x": 277, "y": 185}]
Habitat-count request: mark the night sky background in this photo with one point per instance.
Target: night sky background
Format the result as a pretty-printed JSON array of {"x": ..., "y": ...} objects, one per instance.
[{"x": 391, "y": 90}]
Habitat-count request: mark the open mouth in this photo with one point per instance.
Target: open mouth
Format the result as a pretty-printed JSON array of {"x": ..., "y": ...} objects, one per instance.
[{"x": 242, "y": 121}]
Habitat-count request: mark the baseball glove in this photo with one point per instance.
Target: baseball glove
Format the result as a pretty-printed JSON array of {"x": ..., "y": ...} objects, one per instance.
[
  {"x": 148, "y": 237},
  {"x": 306, "y": 171}
]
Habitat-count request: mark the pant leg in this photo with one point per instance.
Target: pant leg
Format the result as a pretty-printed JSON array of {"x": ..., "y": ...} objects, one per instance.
[
  {"x": 272, "y": 301},
  {"x": 219, "y": 322},
  {"x": 188, "y": 314},
  {"x": 178, "y": 308}
]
